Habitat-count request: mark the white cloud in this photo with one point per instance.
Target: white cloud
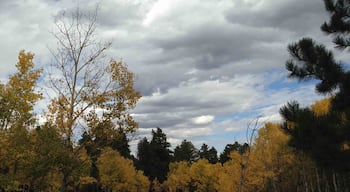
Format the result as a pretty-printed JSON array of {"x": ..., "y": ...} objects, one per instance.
[
  {"x": 159, "y": 9},
  {"x": 202, "y": 120},
  {"x": 21, "y": 29},
  {"x": 186, "y": 133}
]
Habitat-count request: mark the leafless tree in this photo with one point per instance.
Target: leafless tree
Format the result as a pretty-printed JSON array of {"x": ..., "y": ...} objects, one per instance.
[
  {"x": 251, "y": 130},
  {"x": 88, "y": 88}
]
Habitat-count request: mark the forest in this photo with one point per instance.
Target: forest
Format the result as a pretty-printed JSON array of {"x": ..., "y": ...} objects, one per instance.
[{"x": 83, "y": 143}]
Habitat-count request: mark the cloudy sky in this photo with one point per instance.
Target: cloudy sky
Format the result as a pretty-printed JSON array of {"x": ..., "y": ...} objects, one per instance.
[{"x": 205, "y": 68}]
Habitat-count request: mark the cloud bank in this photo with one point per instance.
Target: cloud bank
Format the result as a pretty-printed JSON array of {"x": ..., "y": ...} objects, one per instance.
[{"x": 204, "y": 68}]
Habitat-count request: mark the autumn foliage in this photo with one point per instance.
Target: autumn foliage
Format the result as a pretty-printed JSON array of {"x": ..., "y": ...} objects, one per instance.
[
  {"x": 81, "y": 141},
  {"x": 39, "y": 157}
]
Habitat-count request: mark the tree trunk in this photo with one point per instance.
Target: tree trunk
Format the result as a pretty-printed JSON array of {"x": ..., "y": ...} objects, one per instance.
[
  {"x": 64, "y": 183},
  {"x": 318, "y": 180},
  {"x": 326, "y": 182},
  {"x": 306, "y": 186},
  {"x": 334, "y": 182}
]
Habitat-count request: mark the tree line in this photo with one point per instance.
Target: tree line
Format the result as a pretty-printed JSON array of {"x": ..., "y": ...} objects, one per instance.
[{"x": 83, "y": 144}]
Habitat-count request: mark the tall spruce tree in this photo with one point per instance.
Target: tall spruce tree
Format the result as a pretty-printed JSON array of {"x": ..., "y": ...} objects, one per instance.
[
  {"x": 154, "y": 157},
  {"x": 210, "y": 154},
  {"x": 186, "y": 151}
]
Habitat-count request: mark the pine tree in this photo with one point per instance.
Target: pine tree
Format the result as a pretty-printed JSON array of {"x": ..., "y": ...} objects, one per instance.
[
  {"x": 323, "y": 136},
  {"x": 154, "y": 157},
  {"x": 210, "y": 154},
  {"x": 186, "y": 151}
]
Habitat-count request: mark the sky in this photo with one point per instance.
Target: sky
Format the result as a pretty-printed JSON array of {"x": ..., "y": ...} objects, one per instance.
[{"x": 205, "y": 68}]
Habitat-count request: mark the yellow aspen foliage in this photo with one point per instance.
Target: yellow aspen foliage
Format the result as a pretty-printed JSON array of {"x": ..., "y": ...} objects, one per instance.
[
  {"x": 253, "y": 180},
  {"x": 17, "y": 99},
  {"x": 82, "y": 175},
  {"x": 271, "y": 145},
  {"x": 200, "y": 176},
  {"x": 118, "y": 173},
  {"x": 178, "y": 176},
  {"x": 86, "y": 180},
  {"x": 18, "y": 95},
  {"x": 156, "y": 186},
  {"x": 229, "y": 176},
  {"x": 204, "y": 176},
  {"x": 265, "y": 163},
  {"x": 321, "y": 107},
  {"x": 7, "y": 178},
  {"x": 271, "y": 156},
  {"x": 16, "y": 155},
  {"x": 141, "y": 182}
]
